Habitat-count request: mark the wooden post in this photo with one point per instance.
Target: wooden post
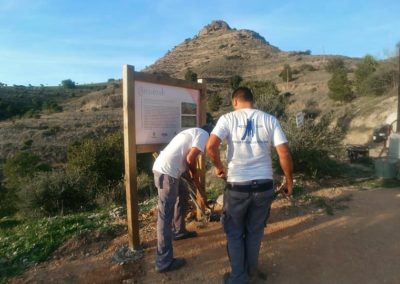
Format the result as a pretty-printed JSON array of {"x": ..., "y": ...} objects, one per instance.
[
  {"x": 130, "y": 157},
  {"x": 201, "y": 161},
  {"x": 398, "y": 96}
]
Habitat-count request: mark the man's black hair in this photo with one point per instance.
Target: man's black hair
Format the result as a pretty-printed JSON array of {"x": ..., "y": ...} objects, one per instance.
[
  {"x": 243, "y": 94},
  {"x": 208, "y": 128}
]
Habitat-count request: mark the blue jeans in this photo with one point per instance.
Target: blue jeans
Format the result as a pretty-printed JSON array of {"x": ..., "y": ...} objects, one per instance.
[
  {"x": 172, "y": 205},
  {"x": 244, "y": 218}
]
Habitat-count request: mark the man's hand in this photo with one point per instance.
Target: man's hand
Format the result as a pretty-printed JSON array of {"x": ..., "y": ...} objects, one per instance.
[{"x": 220, "y": 172}]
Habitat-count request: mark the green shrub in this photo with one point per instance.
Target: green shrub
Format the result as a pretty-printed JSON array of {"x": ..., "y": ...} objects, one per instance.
[
  {"x": 21, "y": 166},
  {"x": 311, "y": 110},
  {"x": 214, "y": 102},
  {"x": 315, "y": 147},
  {"x": 235, "y": 81},
  {"x": 68, "y": 84},
  {"x": 365, "y": 68},
  {"x": 267, "y": 97},
  {"x": 340, "y": 87},
  {"x": 190, "y": 76},
  {"x": 378, "y": 83},
  {"x": 8, "y": 200},
  {"x": 58, "y": 192},
  {"x": 101, "y": 160},
  {"x": 335, "y": 64}
]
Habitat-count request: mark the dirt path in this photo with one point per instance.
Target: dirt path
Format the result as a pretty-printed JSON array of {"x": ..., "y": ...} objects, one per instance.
[{"x": 360, "y": 244}]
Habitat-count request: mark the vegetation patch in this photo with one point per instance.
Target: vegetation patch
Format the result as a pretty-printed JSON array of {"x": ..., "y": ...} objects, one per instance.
[{"x": 25, "y": 243}]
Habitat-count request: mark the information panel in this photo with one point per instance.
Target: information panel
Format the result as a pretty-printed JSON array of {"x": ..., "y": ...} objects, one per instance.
[{"x": 161, "y": 111}]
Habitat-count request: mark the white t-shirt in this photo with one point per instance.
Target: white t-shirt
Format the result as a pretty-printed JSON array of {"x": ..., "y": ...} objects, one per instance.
[
  {"x": 172, "y": 160},
  {"x": 249, "y": 134}
]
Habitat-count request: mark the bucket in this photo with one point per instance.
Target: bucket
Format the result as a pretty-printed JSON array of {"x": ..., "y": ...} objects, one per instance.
[{"x": 386, "y": 168}]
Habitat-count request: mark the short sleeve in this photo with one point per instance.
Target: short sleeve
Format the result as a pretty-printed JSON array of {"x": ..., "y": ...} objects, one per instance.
[
  {"x": 221, "y": 129},
  {"x": 200, "y": 140},
  {"x": 279, "y": 136}
]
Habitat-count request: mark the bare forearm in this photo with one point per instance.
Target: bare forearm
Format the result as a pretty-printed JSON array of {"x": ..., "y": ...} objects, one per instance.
[
  {"x": 213, "y": 154},
  {"x": 286, "y": 162},
  {"x": 287, "y": 168}
]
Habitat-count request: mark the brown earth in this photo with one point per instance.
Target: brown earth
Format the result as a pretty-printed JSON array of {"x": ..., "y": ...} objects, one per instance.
[{"x": 302, "y": 244}]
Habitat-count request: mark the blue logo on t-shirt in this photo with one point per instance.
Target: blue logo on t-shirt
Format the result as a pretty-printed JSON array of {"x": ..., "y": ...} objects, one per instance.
[{"x": 249, "y": 131}]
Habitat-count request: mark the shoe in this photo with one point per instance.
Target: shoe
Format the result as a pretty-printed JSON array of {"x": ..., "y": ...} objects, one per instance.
[
  {"x": 226, "y": 277},
  {"x": 187, "y": 235},
  {"x": 175, "y": 265},
  {"x": 258, "y": 276}
]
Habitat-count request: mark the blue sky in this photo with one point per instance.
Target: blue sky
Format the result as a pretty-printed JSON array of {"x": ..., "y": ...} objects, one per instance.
[{"x": 47, "y": 41}]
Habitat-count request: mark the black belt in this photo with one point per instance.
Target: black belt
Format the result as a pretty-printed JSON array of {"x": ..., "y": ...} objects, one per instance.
[{"x": 251, "y": 186}]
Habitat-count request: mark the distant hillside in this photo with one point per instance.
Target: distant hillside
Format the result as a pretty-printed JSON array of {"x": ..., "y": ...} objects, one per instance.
[{"x": 216, "y": 53}]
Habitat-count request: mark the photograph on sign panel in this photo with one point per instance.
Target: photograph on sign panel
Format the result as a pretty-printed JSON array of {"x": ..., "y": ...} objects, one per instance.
[
  {"x": 188, "y": 121},
  {"x": 188, "y": 108}
]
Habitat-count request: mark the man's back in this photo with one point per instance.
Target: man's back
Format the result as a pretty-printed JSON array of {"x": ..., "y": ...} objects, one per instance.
[
  {"x": 250, "y": 133},
  {"x": 172, "y": 160}
]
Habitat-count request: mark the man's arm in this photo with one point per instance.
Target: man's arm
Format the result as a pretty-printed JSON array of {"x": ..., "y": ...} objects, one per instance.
[
  {"x": 286, "y": 162},
  {"x": 191, "y": 160},
  {"x": 213, "y": 153}
]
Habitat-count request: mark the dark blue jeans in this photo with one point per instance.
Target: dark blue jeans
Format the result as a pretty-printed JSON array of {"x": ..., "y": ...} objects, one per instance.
[{"x": 244, "y": 218}]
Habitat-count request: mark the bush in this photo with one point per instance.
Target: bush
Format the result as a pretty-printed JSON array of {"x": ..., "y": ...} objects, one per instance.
[
  {"x": 314, "y": 146},
  {"x": 379, "y": 82},
  {"x": 364, "y": 69},
  {"x": 21, "y": 166},
  {"x": 286, "y": 73},
  {"x": 214, "y": 102},
  {"x": 340, "y": 87},
  {"x": 7, "y": 202},
  {"x": 68, "y": 84},
  {"x": 235, "y": 81},
  {"x": 102, "y": 161},
  {"x": 311, "y": 110},
  {"x": 335, "y": 64},
  {"x": 190, "y": 76},
  {"x": 307, "y": 67},
  {"x": 267, "y": 98},
  {"x": 58, "y": 192}
]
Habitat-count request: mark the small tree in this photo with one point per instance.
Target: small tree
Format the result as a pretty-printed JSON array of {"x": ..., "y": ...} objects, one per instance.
[
  {"x": 365, "y": 68},
  {"x": 235, "y": 81},
  {"x": 340, "y": 86},
  {"x": 68, "y": 84},
  {"x": 190, "y": 76},
  {"x": 286, "y": 73}
]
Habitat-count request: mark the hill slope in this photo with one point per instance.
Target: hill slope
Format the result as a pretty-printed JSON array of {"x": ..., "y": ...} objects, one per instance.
[{"x": 216, "y": 53}]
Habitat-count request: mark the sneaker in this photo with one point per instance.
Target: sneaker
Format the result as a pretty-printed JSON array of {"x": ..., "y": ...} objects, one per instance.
[
  {"x": 187, "y": 235},
  {"x": 175, "y": 265}
]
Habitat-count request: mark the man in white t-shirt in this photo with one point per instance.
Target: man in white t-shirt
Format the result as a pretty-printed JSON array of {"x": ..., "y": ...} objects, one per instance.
[
  {"x": 179, "y": 156},
  {"x": 250, "y": 134}
]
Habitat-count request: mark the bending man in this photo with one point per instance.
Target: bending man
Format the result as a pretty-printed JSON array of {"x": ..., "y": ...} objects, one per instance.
[{"x": 178, "y": 156}]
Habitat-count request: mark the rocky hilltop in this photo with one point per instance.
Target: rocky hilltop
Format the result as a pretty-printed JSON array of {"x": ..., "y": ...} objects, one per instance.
[{"x": 217, "y": 51}]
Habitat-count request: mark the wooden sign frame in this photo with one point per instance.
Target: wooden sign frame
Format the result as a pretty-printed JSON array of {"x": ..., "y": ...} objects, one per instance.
[{"x": 131, "y": 149}]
